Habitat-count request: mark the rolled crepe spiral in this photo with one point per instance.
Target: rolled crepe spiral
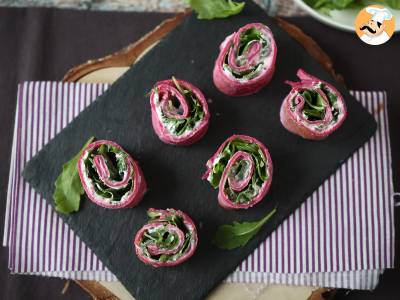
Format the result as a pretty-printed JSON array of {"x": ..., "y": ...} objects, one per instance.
[
  {"x": 168, "y": 239},
  {"x": 313, "y": 109},
  {"x": 109, "y": 175},
  {"x": 242, "y": 170},
  {"x": 179, "y": 112},
  {"x": 246, "y": 61}
]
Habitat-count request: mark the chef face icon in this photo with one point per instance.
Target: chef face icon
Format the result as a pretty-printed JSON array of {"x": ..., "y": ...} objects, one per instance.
[
  {"x": 375, "y": 25},
  {"x": 372, "y": 28}
]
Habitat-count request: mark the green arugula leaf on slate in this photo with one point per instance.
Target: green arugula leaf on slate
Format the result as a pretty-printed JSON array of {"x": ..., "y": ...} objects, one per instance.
[
  {"x": 68, "y": 186},
  {"x": 238, "y": 234},
  {"x": 214, "y": 9}
]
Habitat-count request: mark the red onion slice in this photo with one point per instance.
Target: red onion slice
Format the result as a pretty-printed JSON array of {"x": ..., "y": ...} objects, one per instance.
[
  {"x": 180, "y": 114},
  {"x": 168, "y": 239},
  {"x": 110, "y": 177},
  {"x": 313, "y": 109},
  {"x": 242, "y": 170},
  {"x": 246, "y": 61}
]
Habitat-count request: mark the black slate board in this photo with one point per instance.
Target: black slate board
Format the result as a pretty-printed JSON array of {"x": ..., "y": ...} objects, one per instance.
[{"x": 173, "y": 173}]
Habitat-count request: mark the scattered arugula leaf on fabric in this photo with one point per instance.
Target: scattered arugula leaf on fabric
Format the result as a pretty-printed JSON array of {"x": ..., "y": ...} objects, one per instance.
[
  {"x": 68, "y": 186},
  {"x": 214, "y": 9},
  {"x": 238, "y": 234}
]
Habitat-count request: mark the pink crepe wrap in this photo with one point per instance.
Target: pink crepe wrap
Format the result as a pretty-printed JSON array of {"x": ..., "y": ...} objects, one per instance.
[
  {"x": 231, "y": 67},
  {"x": 163, "y": 111},
  {"x": 151, "y": 240},
  {"x": 131, "y": 180},
  {"x": 293, "y": 118},
  {"x": 239, "y": 184}
]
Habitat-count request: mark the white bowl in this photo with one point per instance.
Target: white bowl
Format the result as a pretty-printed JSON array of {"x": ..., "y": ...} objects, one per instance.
[{"x": 342, "y": 19}]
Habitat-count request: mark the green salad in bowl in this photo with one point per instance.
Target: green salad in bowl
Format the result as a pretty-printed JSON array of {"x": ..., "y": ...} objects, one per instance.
[
  {"x": 341, "y": 14},
  {"x": 326, "y": 6}
]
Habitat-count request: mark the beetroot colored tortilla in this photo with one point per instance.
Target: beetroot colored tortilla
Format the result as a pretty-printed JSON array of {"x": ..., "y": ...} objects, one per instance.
[
  {"x": 313, "y": 109},
  {"x": 179, "y": 112},
  {"x": 110, "y": 177},
  {"x": 168, "y": 239},
  {"x": 246, "y": 61},
  {"x": 242, "y": 171}
]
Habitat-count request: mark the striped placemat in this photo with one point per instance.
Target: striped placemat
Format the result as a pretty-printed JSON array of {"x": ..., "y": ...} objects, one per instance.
[{"x": 342, "y": 236}]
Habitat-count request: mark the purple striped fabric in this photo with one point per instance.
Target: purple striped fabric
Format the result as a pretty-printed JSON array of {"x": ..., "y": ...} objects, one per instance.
[
  {"x": 345, "y": 227},
  {"x": 38, "y": 240},
  {"x": 342, "y": 236}
]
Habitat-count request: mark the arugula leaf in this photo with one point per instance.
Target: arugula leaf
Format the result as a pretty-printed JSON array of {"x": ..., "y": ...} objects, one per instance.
[
  {"x": 68, "y": 186},
  {"x": 161, "y": 237},
  {"x": 153, "y": 214},
  {"x": 332, "y": 98},
  {"x": 246, "y": 38},
  {"x": 178, "y": 86},
  {"x": 213, "y": 9},
  {"x": 116, "y": 166},
  {"x": 314, "y": 107},
  {"x": 238, "y": 234}
]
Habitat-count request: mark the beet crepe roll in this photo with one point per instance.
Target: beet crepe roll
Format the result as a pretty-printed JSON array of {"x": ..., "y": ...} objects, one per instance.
[
  {"x": 242, "y": 170},
  {"x": 109, "y": 175},
  {"x": 313, "y": 109},
  {"x": 179, "y": 112},
  {"x": 168, "y": 239},
  {"x": 246, "y": 61}
]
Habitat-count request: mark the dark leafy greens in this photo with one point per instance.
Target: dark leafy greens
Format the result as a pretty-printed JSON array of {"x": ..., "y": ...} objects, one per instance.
[
  {"x": 68, "y": 186},
  {"x": 213, "y": 9},
  {"x": 259, "y": 176},
  {"x": 252, "y": 34},
  {"x": 116, "y": 164},
  {"x": 238, "y": 234},
  {"x": 326, "y": 6},
  {"x": 314, "y": 106},
  {"x": 180, "y": 126}
]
